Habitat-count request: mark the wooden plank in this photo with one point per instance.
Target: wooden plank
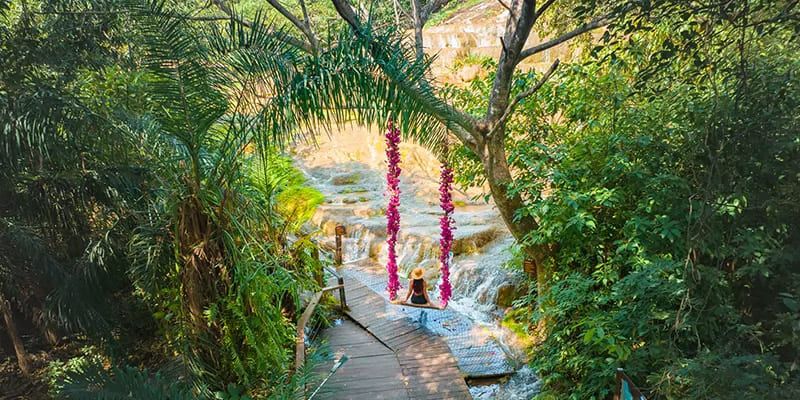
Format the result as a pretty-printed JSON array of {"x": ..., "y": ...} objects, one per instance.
[
  {"x": 373, "y": 371},
  {"x": 371, "y": 384},
  {"x": 396, "y": 342},
  {"x": 300, "y": 344},
  {"x": 412, "y": 341},
  {"x": 389, "y": 358},
  {"x": 395, "y": 395}
]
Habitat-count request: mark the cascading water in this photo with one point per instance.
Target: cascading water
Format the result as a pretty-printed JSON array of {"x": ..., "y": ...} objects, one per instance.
[{"x": 350, "y": 173}]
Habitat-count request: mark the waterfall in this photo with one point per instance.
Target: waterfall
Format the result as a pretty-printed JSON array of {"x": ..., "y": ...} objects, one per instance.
[{"x": 350, "y": 175}]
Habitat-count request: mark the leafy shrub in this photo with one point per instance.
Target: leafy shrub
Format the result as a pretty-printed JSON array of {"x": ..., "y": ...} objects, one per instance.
[
  {"x": 668, "y": 211},
  {"x": 667, "y": 263},
  {"x": 58, "y": 371},
  {"x": 92, "y": 382}
]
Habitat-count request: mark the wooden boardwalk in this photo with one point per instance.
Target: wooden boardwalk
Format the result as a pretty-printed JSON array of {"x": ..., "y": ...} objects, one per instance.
[{"x": 389, "y": 359}]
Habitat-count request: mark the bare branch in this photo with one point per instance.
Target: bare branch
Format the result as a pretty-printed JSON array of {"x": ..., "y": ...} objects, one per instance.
[
  {"x": 533, "y": 89},
  {"x": 598, "y": 22},
  {"x": 306, "y": 19},
  {"x": 460, "y": 123},
  {"x": 506, "y": 6},
  {"x": 305, "y": 29},
  {"x": 418, "y": 24},
  {"x": 280, "y": 35},
  {"x": 227, "y": 10},
  {"x": 346, "y": 12},
  {"x": 402, "y": 10},
  {"x": 419, "y": 17}
]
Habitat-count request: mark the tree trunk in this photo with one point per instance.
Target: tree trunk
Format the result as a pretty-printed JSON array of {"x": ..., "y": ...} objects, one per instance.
[
  {"x": 193, "y": 293},
  {"x": 196, "y": 252},
  {"x": 46, "y": 328},
  {"x": 418, "y": 24},
  {"x": 499, "y": 178},
  {"x": 518, "y": 28},
  {"x": 16, "y": 340}
]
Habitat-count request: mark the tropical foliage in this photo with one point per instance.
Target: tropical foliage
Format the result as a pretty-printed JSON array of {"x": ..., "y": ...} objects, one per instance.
[
  {"x": 151, "y": 222},
  {"x": 666, "y": 183},
  {"x": 146, "y": 169}
]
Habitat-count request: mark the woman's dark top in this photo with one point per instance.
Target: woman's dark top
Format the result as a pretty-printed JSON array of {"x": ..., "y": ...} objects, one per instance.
[{"x": 417, "y": 291}]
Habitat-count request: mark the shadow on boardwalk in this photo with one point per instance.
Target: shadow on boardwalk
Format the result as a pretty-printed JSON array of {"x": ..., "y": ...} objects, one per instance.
[{"x": 389, "y": 359}]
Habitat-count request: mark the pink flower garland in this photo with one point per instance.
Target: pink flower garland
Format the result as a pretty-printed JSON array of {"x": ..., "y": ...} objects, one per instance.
[
  {"x": 392, "y": 210},
  {"x": 446, "y": 224}
]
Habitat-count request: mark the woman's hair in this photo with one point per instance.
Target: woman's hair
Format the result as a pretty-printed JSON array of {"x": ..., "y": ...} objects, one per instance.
[{"x": 418, "y": 285}]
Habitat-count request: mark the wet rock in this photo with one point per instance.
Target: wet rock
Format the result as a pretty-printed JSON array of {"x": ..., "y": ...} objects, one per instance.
[
  {"x": 473, "y": 242},
  {"x": 369, "y": 212},
  {"x": 346, "y": 179},
  {"x": 506, "y": 294},
  {"x": 352, "y": 190}
]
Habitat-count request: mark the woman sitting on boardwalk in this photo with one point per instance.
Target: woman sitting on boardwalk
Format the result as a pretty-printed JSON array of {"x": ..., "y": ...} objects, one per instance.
[{"x": 416, "y": 290}]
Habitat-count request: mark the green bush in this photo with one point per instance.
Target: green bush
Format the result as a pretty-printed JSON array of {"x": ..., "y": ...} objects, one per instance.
[
  {"x": 669, "y": 205},
  {"x": 675, "y": 249}
]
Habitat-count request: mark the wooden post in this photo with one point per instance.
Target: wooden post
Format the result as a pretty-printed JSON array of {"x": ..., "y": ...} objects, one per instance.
[
  {"x": 342, "y": 298},
  {"x": 339, "y": 233},
  {"x": 13, "y": 334},
  {"x": 319, "y": 274}
]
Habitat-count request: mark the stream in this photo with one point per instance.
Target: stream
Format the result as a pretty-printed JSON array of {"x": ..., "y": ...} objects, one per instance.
[{"x": 349, "y": 168}]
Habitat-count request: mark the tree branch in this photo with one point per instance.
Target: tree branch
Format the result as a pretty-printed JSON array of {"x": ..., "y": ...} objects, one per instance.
[
  {"x": 227, "y": 10},
  {"x": 306, "y": 19},
  {"x": 419, "y": 17},
  {"x": 346, "y": 12},
  {"x": 460, "y": 123},
  {"x": 523, "y": 95},
  {"x": 280, "y": 35},
  {"x": 598, "y": 22},
  {"x": 544, "y": 8},
  {"x": 402, "y": 10},
  {"x": 506, "y": 6},
  {"x": 518, "y": 28},
  {"x": 305, "y": 29},
  {"x": 418, "y": 24}
]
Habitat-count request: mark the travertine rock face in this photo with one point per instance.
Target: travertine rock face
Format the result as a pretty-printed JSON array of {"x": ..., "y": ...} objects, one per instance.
[{"x": 477, "y": 30}]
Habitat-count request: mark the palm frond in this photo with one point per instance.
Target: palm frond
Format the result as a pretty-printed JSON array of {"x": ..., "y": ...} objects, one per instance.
[
  {"x": 356, "y": 81},
  {"x": 92, "y": 381}
]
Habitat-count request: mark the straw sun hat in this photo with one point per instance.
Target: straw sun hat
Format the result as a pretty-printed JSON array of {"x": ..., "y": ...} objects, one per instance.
[{"x": 417, "y": 273}]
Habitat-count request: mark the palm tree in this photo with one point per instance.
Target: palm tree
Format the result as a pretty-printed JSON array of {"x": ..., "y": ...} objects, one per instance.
[
  {"x": 164, "y": 193},
  {"x": 226, "y": 96},
  {"x": 64, "y": 186}
]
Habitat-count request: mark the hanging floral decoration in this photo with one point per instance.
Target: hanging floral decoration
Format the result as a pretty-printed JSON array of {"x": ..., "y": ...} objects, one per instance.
[
  {"x": 393, "y": 209},
  {"x": 447, "y": 225}
]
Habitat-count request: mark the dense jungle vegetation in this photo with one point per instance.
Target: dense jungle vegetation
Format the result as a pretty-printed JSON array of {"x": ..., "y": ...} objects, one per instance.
[{"x": 152, "y": 239}]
